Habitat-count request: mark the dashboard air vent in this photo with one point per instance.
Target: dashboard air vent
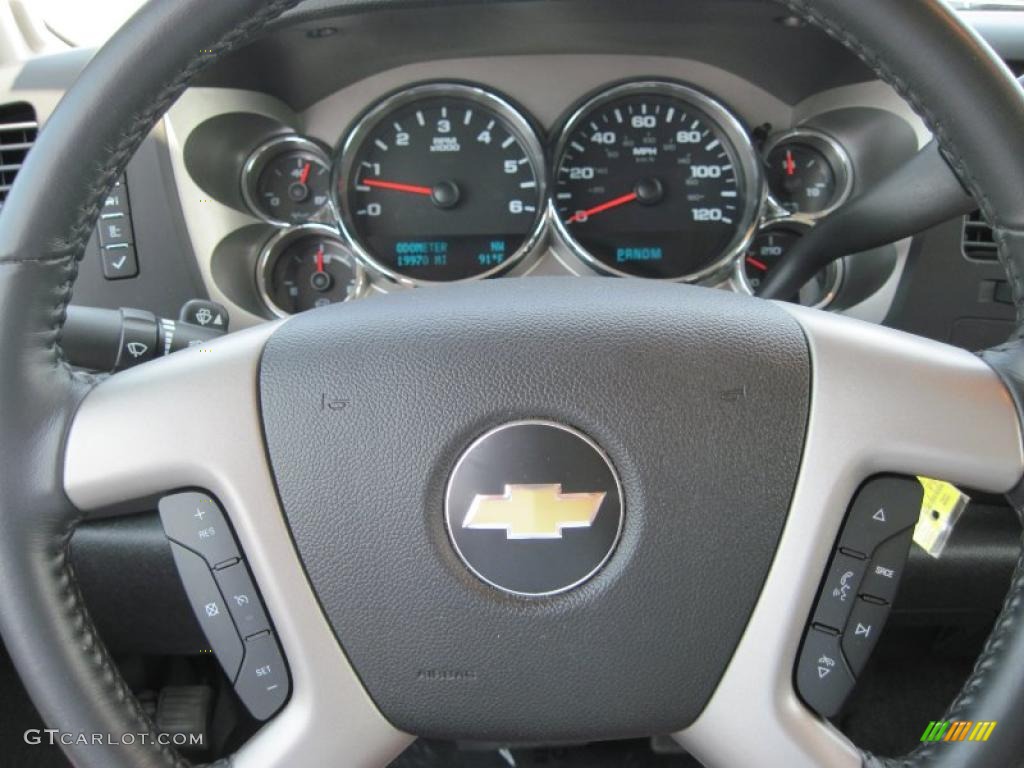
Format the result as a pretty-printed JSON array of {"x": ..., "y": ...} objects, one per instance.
[
  {"x": 18, "y": 128},
  {"x": 978, "y": 241}
]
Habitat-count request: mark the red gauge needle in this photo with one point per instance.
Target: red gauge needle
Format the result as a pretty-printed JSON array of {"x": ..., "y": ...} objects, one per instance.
[
  {"x": 320, "y": 259},
  {"x": 757, "y": 263},
  {"x": 790, "y": 163},
  {"x": 305, "y": 173},
  {"x": 396, "y": 187},
  {"x": 584, "y": 215}
]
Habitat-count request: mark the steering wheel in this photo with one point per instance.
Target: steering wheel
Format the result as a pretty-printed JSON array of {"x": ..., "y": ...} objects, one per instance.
[{"x": 736, "y": 451}]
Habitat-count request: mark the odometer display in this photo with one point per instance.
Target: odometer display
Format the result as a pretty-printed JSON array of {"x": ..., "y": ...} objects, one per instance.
[
  {"x": 440, "y": 183},
  {"x": 655, "y": 180}
]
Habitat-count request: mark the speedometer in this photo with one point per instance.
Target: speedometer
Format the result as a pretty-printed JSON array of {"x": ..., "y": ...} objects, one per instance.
[
  {"x": 442, "y": 182},
  {"x": 655, "y": 179}
]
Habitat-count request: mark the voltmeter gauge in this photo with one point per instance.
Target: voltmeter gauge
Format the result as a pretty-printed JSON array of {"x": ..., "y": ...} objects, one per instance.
[
  {"x": 305, "y": 268},
  {"x": 809, "y": 173},
  {"x": 286, "y": 181}
]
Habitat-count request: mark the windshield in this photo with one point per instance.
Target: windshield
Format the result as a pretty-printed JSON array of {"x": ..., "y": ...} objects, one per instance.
[
  {"x": 82, "y": 22},
  {"x": 987, "y": 5}
]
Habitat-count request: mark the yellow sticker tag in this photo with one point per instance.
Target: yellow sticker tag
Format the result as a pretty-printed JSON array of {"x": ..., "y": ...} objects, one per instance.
[{"x": 940, "y": 510}]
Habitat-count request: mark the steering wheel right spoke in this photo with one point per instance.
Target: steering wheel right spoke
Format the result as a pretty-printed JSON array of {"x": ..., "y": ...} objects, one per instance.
[
  {"x": 193, "y": 421},
  {"x": 882, "y": 401}
]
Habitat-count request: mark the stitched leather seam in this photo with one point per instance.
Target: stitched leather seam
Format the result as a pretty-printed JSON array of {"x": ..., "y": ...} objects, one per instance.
[
  {"x": 95, "y": 651},
  {"x": 878, "y": 64},
  {"x": 1008, "y": 617},
  {"x": 72, "y": 250},
  {"x": 33, "y": 260},
  {"x": 1001, "y": 236},
  {"x": 142, "y": 123}
]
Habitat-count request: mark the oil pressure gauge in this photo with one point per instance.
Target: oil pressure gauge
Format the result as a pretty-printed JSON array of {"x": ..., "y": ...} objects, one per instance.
[
  {"x": 305, "y": 268},
  {"x": 286, "y": 180}
]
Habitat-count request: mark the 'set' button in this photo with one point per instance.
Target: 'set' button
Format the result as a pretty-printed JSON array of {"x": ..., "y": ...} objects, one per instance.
[{"x": 262, "y": 683}]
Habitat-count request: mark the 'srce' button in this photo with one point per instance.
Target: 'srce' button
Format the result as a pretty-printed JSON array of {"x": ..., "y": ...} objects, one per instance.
[{"x": 886, "y": 568}]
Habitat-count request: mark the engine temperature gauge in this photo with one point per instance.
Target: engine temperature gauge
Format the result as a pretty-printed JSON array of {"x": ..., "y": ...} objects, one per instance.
[
  {"x": 287, "y": 180},
  {"x": 305, "y": 268},
  {"x": 768, "y": 249}
]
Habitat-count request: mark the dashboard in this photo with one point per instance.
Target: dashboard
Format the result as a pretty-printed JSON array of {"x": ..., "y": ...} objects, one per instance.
[
  {"x": 354, "y": 152},
  {"x": 627, "y": 166},
  {"x": 266, "y": 191}
]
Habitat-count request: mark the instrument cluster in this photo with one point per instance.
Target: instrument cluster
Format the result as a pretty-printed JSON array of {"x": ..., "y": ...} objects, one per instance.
[{"x": 449, "y": 181}]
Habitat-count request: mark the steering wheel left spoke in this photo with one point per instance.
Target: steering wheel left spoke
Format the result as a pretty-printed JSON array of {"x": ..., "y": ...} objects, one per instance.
[
  {"x": 607, "y": 505},
  {"x": 193, "y": 421}
]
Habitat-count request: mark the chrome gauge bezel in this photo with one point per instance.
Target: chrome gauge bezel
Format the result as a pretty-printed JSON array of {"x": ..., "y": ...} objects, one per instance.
[
  {"x": 283, "y": 238},
  {"x": 345, "y": 154},
  {"x": 258, "y": 160},
  {"x": 838, "y": 158},
  {"x": 740, "y": 273},
  {"x": 726, "y": 121}
]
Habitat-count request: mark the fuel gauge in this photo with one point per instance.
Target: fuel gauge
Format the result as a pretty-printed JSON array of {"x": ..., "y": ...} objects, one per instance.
[{"x": 305, "y": 268}]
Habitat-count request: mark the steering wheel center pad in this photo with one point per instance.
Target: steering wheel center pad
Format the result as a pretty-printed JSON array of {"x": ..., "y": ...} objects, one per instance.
[
  {"x": 968, "y": 99},
  {"x": 700, "y": 400}
]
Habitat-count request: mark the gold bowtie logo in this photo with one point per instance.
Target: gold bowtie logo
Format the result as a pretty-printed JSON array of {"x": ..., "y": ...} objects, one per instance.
[{"x": 533, "y": 511}]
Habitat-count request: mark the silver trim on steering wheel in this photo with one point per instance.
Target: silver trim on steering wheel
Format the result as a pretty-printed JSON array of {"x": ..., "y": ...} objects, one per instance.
[
  {"x": 882, "y": 401},
  {"x": 194, "y": 421}
]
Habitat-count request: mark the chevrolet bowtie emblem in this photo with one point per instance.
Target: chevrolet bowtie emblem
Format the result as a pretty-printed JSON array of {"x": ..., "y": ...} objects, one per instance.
[{"x": 533, "y": 511}]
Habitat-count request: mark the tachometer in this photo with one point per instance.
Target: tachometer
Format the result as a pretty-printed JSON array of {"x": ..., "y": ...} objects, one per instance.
[
  {"x": 655, "y": 179},
  {"x": 442, "y": 182}
]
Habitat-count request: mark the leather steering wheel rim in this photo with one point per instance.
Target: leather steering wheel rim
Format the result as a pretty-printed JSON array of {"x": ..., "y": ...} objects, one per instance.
[{"x": 974, "y": 107}]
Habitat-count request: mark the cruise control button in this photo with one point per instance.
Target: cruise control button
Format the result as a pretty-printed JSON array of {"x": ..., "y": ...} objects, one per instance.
[
  {"x": 262, "y": 683},
  {"x": 884, "y": 507},
  {"x": 822, "y": 677},
  {"x": 195, "y": 521},
  {"x": 839, "y": 591},
  {"x": 209, "y": 607},
  {"x": 886, "y": 568},
  {"x": 862, "y": 632},
  {"x": 242, "y": 599}
]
